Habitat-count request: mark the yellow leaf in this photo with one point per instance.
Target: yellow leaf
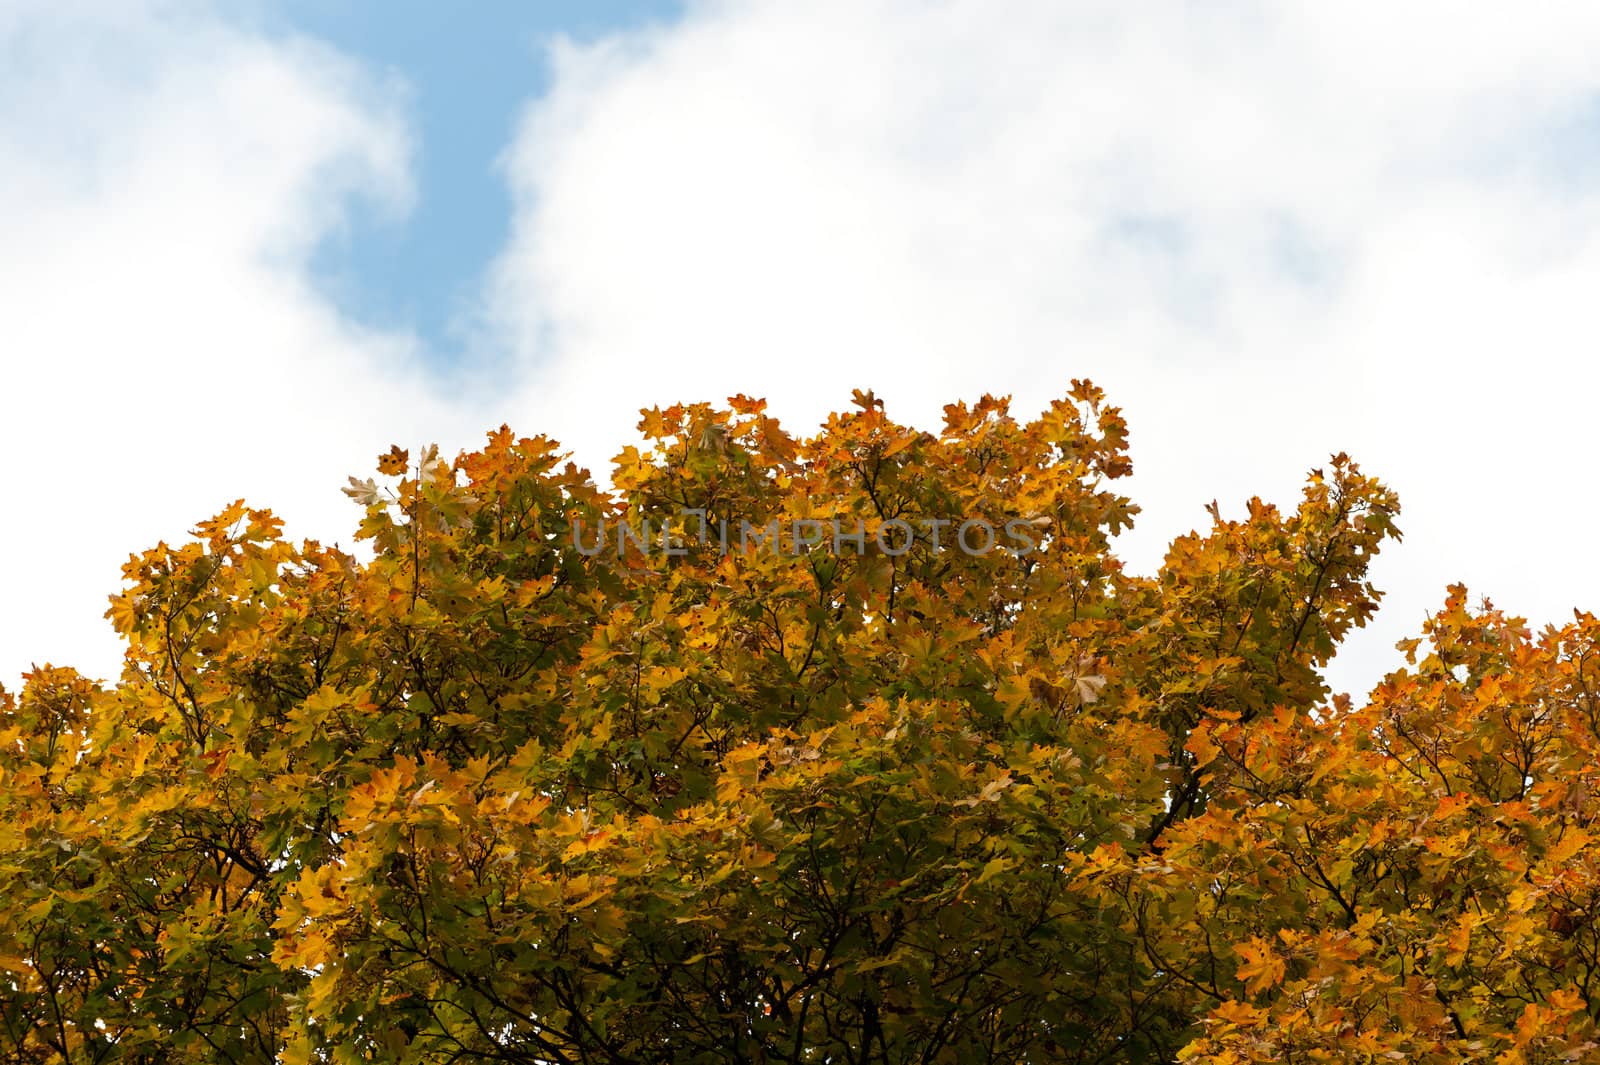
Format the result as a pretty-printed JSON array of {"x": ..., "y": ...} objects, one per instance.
[
  {"x": 1570, "y": 844},
  {"x": 1262, "y": 968},
  {"x": 1200, "y": 745}
]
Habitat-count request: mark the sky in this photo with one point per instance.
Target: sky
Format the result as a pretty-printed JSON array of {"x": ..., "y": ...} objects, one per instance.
[{"x": 246, "y": 246}]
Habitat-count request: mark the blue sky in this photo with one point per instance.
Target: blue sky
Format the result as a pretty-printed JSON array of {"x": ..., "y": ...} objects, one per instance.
[
  {"x": 240, "y": 237},
  {"x": 470, "y": 69}
]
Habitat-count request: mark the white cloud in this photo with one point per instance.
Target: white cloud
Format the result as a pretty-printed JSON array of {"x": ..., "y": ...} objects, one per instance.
[
  {"x": 1271, "y": 231},
  {"x": 163, "y": 180}
]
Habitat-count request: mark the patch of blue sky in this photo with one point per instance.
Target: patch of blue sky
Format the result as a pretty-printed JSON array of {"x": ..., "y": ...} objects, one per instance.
[{"x": 471, "y": 69}]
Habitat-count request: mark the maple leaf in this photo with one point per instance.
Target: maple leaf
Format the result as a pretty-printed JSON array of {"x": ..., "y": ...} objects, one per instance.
[{"x": 394, "y": 461}]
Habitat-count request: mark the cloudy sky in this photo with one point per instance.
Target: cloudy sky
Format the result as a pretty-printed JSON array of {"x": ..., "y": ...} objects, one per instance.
[{"x": 245, "y": 246}]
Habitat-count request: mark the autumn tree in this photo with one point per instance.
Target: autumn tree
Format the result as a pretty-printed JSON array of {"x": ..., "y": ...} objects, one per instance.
[{"x": 767, "y": 753}]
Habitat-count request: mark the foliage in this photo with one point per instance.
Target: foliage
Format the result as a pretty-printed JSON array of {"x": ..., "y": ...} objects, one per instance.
[{"x": 485, "y": 795}]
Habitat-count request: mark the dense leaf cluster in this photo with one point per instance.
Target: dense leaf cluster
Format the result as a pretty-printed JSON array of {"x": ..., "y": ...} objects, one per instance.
[{"x": 481, "y": 795}]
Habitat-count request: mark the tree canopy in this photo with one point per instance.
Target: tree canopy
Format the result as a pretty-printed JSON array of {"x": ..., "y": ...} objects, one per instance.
[{"x": 500, "y": 789}]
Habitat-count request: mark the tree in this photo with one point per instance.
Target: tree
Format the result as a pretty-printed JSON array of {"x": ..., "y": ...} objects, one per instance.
[{"x": 861, "y": 747}]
